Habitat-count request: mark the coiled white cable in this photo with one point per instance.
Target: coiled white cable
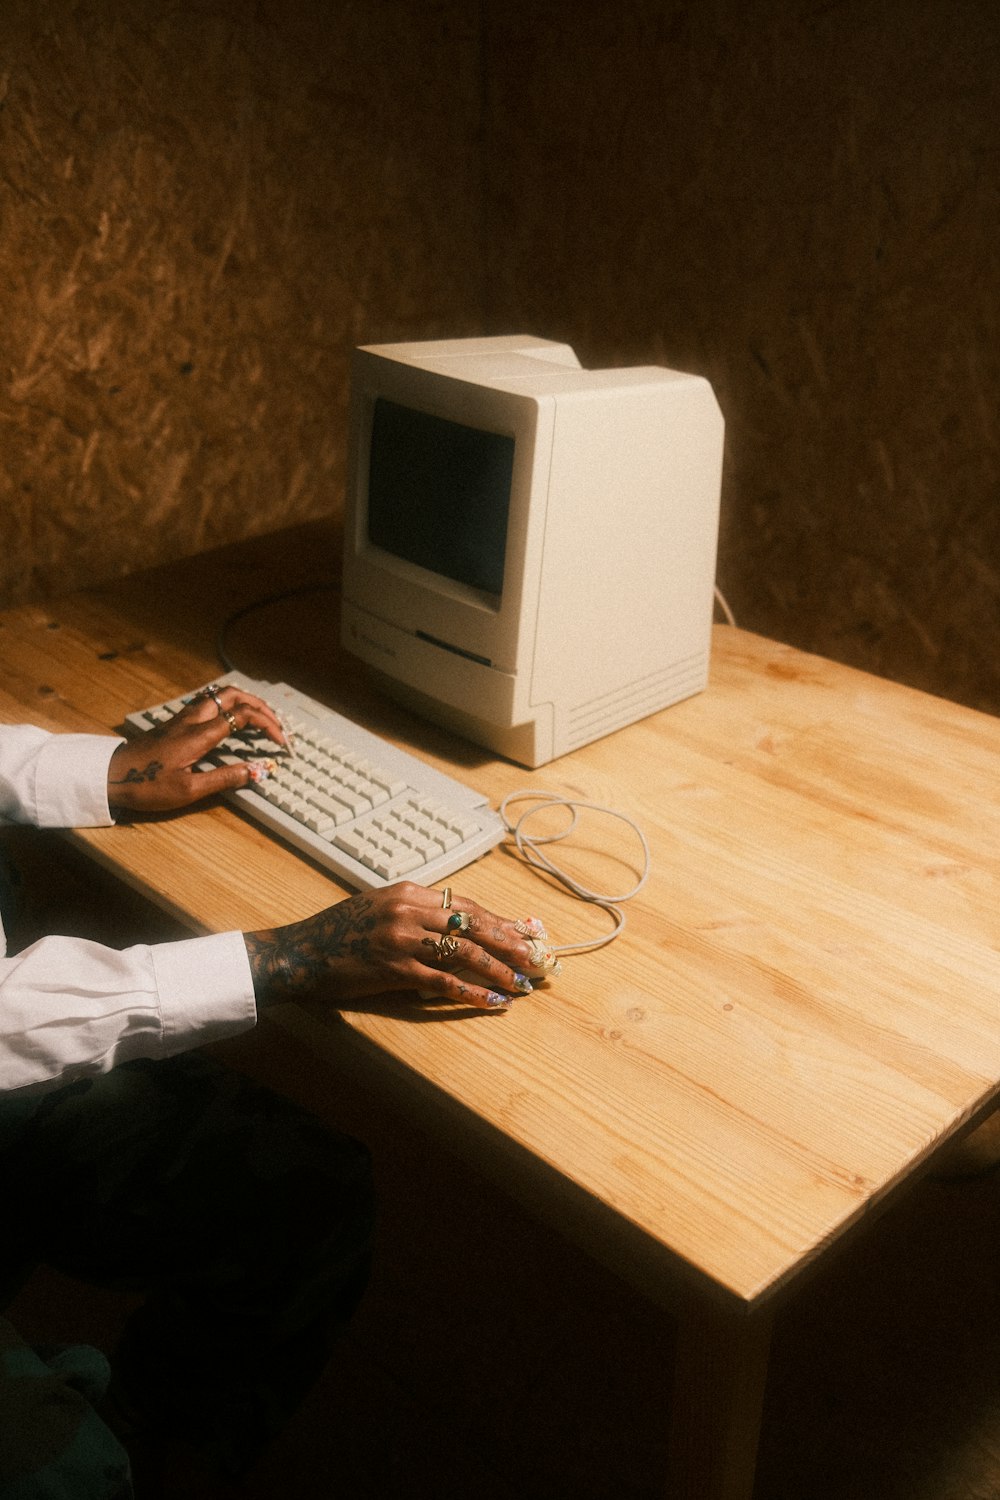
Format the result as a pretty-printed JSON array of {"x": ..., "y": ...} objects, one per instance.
[{"x": 529, "y": 846}]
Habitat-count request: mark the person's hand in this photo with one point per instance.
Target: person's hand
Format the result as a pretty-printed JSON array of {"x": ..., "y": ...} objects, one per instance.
[
  {"x": 391, "y": 939},
  {"x": 155, "y": 773}
]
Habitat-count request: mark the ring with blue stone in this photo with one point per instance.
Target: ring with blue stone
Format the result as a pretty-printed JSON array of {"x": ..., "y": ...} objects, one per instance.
[{"x": 459, "y": 921}]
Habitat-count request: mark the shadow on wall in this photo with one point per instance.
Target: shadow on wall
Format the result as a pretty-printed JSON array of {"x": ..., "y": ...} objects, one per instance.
[
  {"x": 800, "y": 203},
  {"x": 183, "y": 270}
]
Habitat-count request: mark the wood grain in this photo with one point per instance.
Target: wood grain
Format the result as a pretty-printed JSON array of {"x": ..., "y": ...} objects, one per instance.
[{"x": 802, "y": 1009}]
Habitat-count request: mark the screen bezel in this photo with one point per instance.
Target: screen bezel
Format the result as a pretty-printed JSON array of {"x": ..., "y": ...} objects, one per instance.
[{"x": 415, "y": 599}]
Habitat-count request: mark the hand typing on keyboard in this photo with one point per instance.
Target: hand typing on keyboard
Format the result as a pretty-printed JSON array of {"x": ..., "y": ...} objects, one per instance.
[{"x": 159, "y": 772}]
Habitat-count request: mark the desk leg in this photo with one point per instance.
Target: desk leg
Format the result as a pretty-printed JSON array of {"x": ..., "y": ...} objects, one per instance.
[{"x": 718, "y": 1398}]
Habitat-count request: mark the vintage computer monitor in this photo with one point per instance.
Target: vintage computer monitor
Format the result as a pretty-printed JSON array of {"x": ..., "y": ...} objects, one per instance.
[{"x": 529, "y": 546}]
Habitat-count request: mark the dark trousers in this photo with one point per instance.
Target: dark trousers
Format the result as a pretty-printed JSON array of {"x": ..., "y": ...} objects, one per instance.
[{"x": 244, "y": 1221}]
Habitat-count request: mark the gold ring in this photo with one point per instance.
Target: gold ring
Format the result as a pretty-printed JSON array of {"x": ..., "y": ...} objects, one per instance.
[
  {"x": 459, "y": 921},
  {"x": 446, "y": 897},
  {"x": 442, "y": 948},
  {"x": 229, "y": 718}
]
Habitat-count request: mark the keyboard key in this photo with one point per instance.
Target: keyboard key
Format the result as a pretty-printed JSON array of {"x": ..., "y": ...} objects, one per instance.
[{"x": 356, "y": 847}]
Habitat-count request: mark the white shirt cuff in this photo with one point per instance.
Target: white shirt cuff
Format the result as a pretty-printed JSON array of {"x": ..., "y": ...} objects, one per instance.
[
  {"x": 205, "y": 989},
  {"x": 71, "y": 781}
]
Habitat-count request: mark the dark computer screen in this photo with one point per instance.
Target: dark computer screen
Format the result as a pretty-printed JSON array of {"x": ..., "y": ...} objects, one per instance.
[{"x": 439, "y": 494}]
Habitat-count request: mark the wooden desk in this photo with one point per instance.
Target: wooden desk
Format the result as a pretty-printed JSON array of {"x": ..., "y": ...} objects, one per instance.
[{"x": 803, "y": 1009}]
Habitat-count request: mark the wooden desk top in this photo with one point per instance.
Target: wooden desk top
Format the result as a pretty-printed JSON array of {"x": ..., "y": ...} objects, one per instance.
[{"x": 804, "y": 1004}]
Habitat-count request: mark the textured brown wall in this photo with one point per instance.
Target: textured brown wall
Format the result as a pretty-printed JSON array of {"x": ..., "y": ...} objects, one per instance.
[
  {"x": 203, "y": 206},
  {"x": 801, "y": 201}
]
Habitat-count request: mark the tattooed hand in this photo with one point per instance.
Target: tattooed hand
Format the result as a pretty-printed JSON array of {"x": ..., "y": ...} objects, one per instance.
[
  {"x": 156, "y": 773},
  {"x": 386, "y": 940}
]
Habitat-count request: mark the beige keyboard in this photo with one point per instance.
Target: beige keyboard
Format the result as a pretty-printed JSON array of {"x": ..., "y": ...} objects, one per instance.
[{"x": 362, "y": 808}]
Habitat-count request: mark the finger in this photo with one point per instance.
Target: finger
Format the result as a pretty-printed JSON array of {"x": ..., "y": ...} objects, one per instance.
[
  {"x": 525, "y": 945},
  {"x": 196, "y": 737},
  {"x": 245, "y": 708},
  {"x": 249, "y": 709},
  {"x": 197, "y": 785},
  {"x": 248, "y": 714},
  {"x": 202, "y": 705},
  {"x": 462, "y": 989},
  {"x": 497, "y": 935},
  {"x": 459, "y": 955},
  {"x": 199, "y": 736}
]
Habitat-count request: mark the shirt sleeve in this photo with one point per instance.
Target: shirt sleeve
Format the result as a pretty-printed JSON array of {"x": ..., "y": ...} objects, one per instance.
[
  {"x": 55, "y": 780},
  {"x": 70, "y": 1008}
]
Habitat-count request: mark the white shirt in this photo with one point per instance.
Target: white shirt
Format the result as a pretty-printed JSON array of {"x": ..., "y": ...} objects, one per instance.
[{"x": 69, "y": 1007}]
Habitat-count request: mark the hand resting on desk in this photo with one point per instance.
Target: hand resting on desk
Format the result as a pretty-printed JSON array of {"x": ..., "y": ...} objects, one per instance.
[{"x": 389, "y": 940}]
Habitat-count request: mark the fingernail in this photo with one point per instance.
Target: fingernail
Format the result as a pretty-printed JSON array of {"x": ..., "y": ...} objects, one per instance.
[
  {"x": 260, "y": 770},
  {"x": 531, "y": 927},
  {"x": 522, "y": 984},
  {"x": 498, "y": 1002},
  {"x": 543, "y": 958}
]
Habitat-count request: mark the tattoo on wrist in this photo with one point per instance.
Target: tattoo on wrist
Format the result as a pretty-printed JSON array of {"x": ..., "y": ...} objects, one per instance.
[{"x": 298, "y": 959}]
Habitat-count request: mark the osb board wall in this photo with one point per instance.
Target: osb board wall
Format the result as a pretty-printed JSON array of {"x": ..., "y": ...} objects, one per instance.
[
  {"x": 203, "y": 206},
  {"x": 800, "y": 200}
]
